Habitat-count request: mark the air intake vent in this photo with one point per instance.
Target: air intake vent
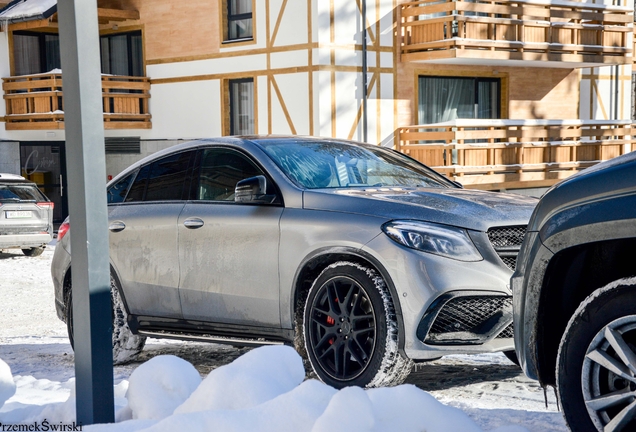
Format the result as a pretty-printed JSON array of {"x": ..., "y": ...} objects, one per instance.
[
  {"x": 471, "y": 320},
  {"x": 131, "y": 145}
]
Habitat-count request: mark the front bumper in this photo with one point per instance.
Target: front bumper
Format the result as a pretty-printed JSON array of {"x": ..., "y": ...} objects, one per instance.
[{"x": 428, "y": 284}]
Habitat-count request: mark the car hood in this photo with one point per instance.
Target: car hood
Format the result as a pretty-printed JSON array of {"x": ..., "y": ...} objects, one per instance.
[{"x": 471, "y": 209}]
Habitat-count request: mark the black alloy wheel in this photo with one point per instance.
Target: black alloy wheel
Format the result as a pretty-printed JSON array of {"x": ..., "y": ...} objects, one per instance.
[
  {"x": 342, "y": 328},
  {"x": 350, "y": 329}
]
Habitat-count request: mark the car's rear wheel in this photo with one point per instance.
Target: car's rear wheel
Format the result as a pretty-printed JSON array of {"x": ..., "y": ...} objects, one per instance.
[
  {"x": 126, "y": 345},
  {"x": 33, "y": 252},
  {"x": 350, "y": 329},
  {"x": 596, "y": 364}
]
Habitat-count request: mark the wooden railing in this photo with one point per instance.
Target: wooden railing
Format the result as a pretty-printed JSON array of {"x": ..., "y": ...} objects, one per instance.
[
  {"x": 509, "y": 154},
  {"x": 35, "y": 102},
  {"x": 533, "y": 30}
]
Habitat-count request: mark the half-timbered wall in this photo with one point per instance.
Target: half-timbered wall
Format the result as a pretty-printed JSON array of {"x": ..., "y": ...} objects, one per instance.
[
  {"x": 605, "y": 93},
  {"x": 305, "y": 61}
]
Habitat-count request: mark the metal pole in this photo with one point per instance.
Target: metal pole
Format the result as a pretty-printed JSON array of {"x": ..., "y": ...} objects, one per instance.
[
  {"x": 86, "y": 167},
  {"x": 364, "y": 70}
]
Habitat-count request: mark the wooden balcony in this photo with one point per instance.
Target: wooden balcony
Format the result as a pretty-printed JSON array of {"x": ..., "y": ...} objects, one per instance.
[
  {"x": 530, "y": 33},
  {"x": 511, "y": 154},
  {"x": 35, "y": 102}
]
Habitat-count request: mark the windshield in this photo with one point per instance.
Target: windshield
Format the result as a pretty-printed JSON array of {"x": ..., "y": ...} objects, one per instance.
[
  {"x": 20, "y": 192},
  {"x": 332, "y": 164}
]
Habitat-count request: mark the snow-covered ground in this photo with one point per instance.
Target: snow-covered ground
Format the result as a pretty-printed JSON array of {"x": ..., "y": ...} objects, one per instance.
[{"x": 254, "y": 391}]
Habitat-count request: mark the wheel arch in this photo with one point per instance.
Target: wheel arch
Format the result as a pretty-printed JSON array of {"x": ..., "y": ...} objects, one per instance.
[
  {"x": 68, "y": 283},
  {"x": 571, "y": 276},
  {"x": 316, "y": 262}
]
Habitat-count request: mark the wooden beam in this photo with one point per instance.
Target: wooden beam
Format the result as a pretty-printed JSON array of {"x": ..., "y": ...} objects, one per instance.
[
  {"x": 34, "y": 25},
  {"x": 116, "y": 15}
]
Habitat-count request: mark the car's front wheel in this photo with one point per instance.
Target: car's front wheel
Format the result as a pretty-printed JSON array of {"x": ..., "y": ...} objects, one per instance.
[
  {"x": 126, "y": 345},
  {"x": 596, "y": 364},
  {"x": 350, "y": 329}
]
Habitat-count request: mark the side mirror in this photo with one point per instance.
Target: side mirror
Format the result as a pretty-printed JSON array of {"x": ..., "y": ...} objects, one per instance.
[{"x": 252, "y": 190}]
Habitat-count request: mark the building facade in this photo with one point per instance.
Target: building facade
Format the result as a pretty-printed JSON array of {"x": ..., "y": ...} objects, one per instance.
[{"x": 495, "y": 94}]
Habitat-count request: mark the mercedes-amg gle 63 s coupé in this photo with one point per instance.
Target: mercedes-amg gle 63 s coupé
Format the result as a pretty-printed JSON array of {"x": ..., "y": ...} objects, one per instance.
[{"x": 361, "y": 257}]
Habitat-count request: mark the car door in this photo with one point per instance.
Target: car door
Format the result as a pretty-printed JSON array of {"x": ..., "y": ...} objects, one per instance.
[
  {"x": 228, "y": 251},
  {"x": 143, "y": 235}
]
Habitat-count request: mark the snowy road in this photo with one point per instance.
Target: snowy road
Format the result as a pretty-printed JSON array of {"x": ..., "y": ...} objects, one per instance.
[{"x": 489, "y": 388}]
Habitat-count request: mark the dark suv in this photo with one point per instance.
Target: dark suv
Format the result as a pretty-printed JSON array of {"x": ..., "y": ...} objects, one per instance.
[
  {"x": 26, "y": 216},
  {"x": 574, "y": 293}
]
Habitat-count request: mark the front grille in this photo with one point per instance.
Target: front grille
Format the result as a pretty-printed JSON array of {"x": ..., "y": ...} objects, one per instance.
[
  {"x": 507, "y": 242},
  {"x": 470, "y": 319},
  {"x": 507, "y": 236},
  {"x": 508, "y": 332},
  {"x": 511, "y": 262}
]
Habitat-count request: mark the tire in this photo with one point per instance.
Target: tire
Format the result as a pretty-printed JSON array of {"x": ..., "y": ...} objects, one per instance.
[
  {"x": 33, "y": 252},
  {"x": 512, "y": 356},
  {"x": 356, "y": 345},
  {"x": 126, "y": 345},
  {"x": 597, "y": 359}
]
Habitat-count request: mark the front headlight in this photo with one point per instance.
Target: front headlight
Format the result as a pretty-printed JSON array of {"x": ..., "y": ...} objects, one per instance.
[{"x": 437, "y": 239}]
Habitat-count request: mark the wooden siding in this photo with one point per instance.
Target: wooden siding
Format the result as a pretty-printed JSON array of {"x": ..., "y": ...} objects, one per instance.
[
  {"x": 509, "y": 154},
  {"x": 511, "y": 30},
  {"x": 35, "y": 102}
]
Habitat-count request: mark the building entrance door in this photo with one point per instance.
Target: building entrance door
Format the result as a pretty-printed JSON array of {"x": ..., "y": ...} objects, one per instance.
[{"x": 45, "y": 164}]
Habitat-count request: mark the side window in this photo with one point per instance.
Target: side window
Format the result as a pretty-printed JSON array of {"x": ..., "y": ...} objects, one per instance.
[
  {"x": 167, "y": 177},
  {"x": 117, "y": 192},
  {"x": 139, "y": 186},
  {"x": 220, "y": 170}
]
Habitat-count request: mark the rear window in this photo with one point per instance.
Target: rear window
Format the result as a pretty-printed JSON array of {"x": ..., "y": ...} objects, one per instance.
[{"x": 20, "y": 192}]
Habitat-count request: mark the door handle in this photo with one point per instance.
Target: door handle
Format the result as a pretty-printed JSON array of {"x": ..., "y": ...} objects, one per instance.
[
  {"x": 117, "y": 226},
  {"x": 193, "y": 223}
]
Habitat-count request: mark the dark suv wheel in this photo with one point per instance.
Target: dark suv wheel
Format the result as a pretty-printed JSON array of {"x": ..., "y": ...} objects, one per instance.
[
  {"x": 596, "y": 365},
  {"x": 350, "y": 329}
]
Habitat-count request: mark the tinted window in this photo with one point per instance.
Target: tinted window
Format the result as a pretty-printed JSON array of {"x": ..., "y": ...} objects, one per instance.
[
  {"x": 220, "y": 170},
  {"x": 167, "y": 177},
  {"x": 20, "y": 192},
  {"x": 117, "y": 192},
  {"x": 139, "y": 186}
]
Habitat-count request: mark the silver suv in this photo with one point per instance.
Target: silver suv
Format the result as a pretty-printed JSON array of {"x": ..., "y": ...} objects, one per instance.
[
  {"x": 26, "y": 216},
  {"x": 363, "y": 258}
]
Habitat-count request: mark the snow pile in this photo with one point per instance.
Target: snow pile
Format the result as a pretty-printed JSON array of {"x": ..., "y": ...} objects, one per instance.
[
  {"x": 159, "y": 386},
  {"x": 263, "y": 390},
  {"x": 7, "y": 386},
  {"x": 254, "y": 378}
]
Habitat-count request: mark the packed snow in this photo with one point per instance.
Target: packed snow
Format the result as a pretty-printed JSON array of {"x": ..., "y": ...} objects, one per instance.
[{"x": 197, "y": 386}]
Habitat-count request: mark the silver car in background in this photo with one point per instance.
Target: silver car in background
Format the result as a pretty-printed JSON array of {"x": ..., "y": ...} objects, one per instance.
[
  {"x": 26, "y": 216},
  {"x": 361, "y": 257}
]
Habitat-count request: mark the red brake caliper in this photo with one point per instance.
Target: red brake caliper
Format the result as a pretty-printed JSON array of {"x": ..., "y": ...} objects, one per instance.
[{"x": 331, "y": 321}]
